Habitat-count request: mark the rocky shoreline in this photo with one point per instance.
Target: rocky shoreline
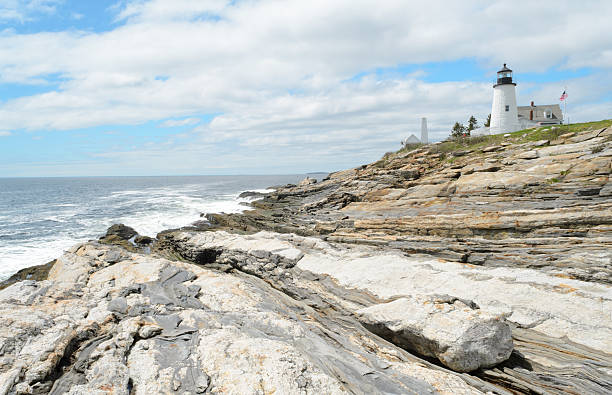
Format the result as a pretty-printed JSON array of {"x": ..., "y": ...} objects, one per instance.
[{"x": 480, "y": 268}]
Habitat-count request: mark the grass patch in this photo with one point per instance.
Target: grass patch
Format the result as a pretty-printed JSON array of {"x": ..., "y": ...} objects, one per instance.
[
  {"x": 547, "y": 132},
  {"x": 477, "y": 143},
  {"x": 410, "y": 147},
  {"x": 465, "y": 144},
  {"x": 382, "y": 162}
]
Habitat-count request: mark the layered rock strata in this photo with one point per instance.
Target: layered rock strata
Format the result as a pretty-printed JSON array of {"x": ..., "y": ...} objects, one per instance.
[
  {"x": 561, "y": 327},
  {"x": 138, "y": 324},
  {"x": 538, "y": 204},
  {"x": 214, "y": 312}
]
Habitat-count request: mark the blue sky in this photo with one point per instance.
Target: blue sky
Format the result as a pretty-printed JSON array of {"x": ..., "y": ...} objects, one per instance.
[
  {"x": 58, "y": 16},
  {"x": 166, "y": 87}
]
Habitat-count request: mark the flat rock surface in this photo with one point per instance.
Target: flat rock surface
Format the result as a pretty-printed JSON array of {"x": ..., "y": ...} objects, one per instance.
[{"x": 574, "y": 308}]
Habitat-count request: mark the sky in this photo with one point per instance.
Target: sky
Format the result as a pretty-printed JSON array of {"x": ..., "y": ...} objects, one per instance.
[{"x": 178, "y": 87}]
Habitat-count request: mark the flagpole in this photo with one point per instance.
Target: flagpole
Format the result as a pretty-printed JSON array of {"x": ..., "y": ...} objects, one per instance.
[{"x": 565, "y": 104}]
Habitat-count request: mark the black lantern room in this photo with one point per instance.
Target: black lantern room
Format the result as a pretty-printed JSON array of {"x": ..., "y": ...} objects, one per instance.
[{"x": 504, "y": 76}]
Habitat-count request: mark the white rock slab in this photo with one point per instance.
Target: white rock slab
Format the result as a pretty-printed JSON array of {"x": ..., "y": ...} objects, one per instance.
[{"x": 456, "y": 332}]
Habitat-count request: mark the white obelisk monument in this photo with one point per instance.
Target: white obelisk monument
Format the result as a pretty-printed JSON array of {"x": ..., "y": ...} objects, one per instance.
[
  {"x": 504, "y": 114},
  {"x": 424, "y": 136}
]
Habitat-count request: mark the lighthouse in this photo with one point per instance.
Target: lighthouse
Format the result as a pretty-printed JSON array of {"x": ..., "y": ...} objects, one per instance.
[{"x": 504, "y": 114}]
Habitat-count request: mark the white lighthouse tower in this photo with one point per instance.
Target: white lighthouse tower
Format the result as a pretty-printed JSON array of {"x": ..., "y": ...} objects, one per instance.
[{"x": 504, "y": 114}]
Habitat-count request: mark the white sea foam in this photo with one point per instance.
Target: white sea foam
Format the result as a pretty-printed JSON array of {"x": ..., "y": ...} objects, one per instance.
[
  {"x": 36, "y": 252},
  {"x": 149, "y": 211}
]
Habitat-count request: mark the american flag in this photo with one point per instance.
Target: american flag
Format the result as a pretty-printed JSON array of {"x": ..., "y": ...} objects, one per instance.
[{"x": 563, "y": 96}]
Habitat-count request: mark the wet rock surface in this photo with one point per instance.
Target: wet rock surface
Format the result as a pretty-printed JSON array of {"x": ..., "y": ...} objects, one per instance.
[{"x": 36, "y": 273}]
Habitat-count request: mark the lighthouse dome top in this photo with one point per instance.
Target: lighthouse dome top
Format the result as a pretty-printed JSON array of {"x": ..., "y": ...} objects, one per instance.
[
  {"x": 504, "y": 69},
  {"x": 504, "y": 76}
]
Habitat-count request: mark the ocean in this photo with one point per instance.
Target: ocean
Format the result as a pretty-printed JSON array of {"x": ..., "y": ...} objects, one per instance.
[{"x": 42, "y": 217}]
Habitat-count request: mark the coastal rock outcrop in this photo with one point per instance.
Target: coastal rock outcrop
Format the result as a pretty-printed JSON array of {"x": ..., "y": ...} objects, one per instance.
[
  {"x": 111, "y": 321},
  {"x": 569, "y": 332},
  {"x": 536, "y": 201},
  {"x": 478, "y": 266}
]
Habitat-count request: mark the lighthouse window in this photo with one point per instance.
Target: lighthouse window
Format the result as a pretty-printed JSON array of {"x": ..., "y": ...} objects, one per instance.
[{"x": 507, "y": 108}]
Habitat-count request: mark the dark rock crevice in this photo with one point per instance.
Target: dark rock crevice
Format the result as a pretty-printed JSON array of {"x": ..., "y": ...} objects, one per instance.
[{"x": 71, "y": 366}]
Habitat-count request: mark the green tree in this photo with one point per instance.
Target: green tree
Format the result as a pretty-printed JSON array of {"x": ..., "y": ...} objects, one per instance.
[
  {"x": 472, "y": 124},
  {"x": 458, "y": 130},
  {"x": 488, "y": 121}
]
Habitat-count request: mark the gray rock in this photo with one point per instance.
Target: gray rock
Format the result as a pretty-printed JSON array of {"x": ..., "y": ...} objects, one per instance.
[
  {"x": 487, "y": 167},
  {"x": 143, "y": 240},
  {"x": 121, "y": 230},
  {"x": 118, "y": 305},
  {"x": 251, "y": 194},
  {"x": 457, "y": 333},
  {"x": 492, "y": 148},
  {"x": 202, "y": 383},
  {"x": 592, "y": 191},
  {"x": 410, "y": 174},
  {"x": 528, "y": 155},
  {"x": 307, "y": 181},
  {"x": 606, "y": 191},
  {"x": 112, "y": 256}
]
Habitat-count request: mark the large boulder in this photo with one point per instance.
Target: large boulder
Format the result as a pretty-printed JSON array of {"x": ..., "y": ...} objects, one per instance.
[
  {"x": 120, "y": 235},
  {"x": 123, "y": 231},
  {"x": 453, "y": 330}
]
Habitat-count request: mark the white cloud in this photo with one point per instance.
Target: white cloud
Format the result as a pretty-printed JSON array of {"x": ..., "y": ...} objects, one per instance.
[
  {"x": 25, "y": 10},
  {"x": 4, "y": 133},
  {"x": 277, "y": 71},
  {"x": 164, "y": 10},
  {"x": 173, "y": 123}
]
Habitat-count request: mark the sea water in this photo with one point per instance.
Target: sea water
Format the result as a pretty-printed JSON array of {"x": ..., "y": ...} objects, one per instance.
[{"x": 42, "y": 217}]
